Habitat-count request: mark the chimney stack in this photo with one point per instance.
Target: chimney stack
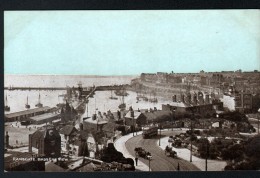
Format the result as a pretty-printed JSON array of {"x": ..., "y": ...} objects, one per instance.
[
  {"x": 207, "y": 99},
  {"x": 81, "y": 126},
  {"x": 94, "y": 117},
  {"x": 7, "y": 139},
  {"x": 132, "y": 113},
  {"x": 188, "y": 98},
  {"x": 200, "y": 97},
  {"x": 195, "y": 100},
  {"x": 30, "y": 143},
  {"x": 174, "y": 98},
  {"x": 182, "y": 98}
]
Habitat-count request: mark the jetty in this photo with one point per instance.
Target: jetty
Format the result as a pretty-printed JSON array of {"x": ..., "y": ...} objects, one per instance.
[
  {"x": 97, "y": 88},
  {"x": 83, "y": 102}
]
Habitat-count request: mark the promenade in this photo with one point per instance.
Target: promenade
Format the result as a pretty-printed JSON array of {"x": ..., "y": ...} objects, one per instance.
[{"x": 120, "y": 146}]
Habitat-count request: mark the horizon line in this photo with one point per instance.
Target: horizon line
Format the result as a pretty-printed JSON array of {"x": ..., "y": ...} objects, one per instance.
[{"x": 104, "y": 75}]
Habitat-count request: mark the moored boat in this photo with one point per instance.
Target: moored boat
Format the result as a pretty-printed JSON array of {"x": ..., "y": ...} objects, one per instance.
[
  {"x": 39, "y": 104},
  {"x": 122, "y": 106},
  {"x": 112, "y": 97},
  {"x": 7, "y": 108},
  {"x": 121, "y": 92},
  {"x": 27, "y": 106}
]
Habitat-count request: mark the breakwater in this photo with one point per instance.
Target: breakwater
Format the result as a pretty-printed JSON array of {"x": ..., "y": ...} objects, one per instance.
[{"x": 97, "y": 88}]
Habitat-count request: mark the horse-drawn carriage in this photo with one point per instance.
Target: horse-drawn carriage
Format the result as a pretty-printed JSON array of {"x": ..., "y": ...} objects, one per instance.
[
  {"x": 142, "y": 153},
  {"x": 169, "y": 152}
]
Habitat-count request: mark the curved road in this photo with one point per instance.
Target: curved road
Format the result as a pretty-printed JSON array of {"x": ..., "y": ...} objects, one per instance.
[{"x": 159, "y": 162}]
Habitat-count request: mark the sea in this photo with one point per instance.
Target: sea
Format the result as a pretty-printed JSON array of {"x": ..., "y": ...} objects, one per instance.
[{"x": 17, "y": 99}]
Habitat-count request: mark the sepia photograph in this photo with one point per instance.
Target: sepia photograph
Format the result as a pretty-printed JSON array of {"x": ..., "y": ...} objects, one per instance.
[{"x": 131, "y": 90}]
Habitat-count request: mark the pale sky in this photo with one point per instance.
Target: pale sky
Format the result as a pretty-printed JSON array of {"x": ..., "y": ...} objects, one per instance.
[{"x": 130, "y": 42}]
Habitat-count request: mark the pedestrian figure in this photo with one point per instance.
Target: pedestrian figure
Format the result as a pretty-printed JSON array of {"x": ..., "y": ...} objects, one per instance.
[
  {"x": 17, "y": 142},
  {"x": 136, "y": 160}
]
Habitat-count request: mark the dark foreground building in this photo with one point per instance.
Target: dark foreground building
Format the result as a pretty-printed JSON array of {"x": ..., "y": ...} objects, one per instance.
[{"x": 47, "y": 141}]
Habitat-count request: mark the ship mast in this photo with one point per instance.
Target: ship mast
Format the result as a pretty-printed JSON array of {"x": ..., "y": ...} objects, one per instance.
[
  {"x": 6, "y": 100},
  {"x": 39, "y": 100},
  {"x": 87, "y": 109},
  {"x": 95, "y": 106}
]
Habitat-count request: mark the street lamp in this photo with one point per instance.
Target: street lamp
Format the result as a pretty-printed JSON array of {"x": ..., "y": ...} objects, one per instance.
[
  {"x": 132, "y": 113},
  {"x": 160, "y": 135},
  {"x": 149, "y": 158},
  {"x": 258, "y": 120},
  {"x": 207, "y": 154},
  {"x": 133, "y": 117},
  {"x": 191, "y": 135},
  {"x": 173, "y": 111}
]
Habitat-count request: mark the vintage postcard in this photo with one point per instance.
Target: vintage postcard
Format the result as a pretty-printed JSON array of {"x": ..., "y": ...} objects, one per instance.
[{"x": 158, "y": 90}]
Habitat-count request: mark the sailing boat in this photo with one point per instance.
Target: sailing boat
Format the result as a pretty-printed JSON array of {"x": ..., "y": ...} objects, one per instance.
[
  {"x": 60, "y": 104},
  {"x": 27, "y": 106},
  {"x": 7, "y": 108},
  {"x": 11, "y": 87},
  {"x": 141, "y": 96},
  {"x": 112, "y": 97},
  {"x": 122, "y": 106},
  {"x": 121, "y": 92},
  {"x": 39, "y": 104},
  {"x": 87, "y": 111}
]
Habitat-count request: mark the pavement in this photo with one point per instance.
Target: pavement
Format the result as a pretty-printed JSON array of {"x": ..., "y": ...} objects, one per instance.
[
  {"x": 213, "y": 165},
  {"x": 120, "y": 146}
]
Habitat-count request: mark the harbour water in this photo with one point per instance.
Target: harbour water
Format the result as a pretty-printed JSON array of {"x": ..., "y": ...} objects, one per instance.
[
  {"x": 63, "y": 80},
  {"x": 101, "y": 102}
]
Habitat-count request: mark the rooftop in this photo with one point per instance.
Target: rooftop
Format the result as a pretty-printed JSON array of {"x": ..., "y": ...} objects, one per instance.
[
  {"x": 51, "y": 167},
  {"x": 26, "y": 112},
  {"x": 185, "y": 105},
  {"x": 43, "y": 132},
  {"x": 87, "y": 168},
  {"x": 136, "y": 114},
  {"x": 44, "y": 116},
  {"x": 157, "y": 114},
  {"x": 100, "y": 119},
  {"x": 98, "y": 122},
  {"x": 67, "y": 130}
]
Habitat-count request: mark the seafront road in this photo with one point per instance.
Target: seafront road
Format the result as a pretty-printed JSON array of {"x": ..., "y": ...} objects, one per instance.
[
  {"x": 121, "y": 146},
  {"x": 159, "y": 162}
]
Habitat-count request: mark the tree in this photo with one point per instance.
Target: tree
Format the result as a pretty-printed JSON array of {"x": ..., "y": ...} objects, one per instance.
[
  {"x": 253, "y": 147},
  {"x": 248, "y": 152},
  {"x": 202, "y": 147},
  {"x": 213, "y": 152},
  {"x": 233, "y": 152}
]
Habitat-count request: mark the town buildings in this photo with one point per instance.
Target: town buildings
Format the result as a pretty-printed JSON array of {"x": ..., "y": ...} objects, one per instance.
[{"x": 236, "y": 89}]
